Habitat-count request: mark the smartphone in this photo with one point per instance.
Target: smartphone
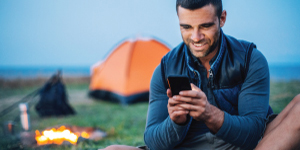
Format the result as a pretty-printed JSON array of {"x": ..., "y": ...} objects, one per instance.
[{"x": 178, "y": 83}]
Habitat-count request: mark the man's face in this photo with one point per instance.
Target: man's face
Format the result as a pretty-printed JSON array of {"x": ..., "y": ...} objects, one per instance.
[{"x": 200, "y": 29}]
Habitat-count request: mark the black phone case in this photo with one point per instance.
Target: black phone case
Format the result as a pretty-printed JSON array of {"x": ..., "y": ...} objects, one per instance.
[{"x": 178, "y": 83}]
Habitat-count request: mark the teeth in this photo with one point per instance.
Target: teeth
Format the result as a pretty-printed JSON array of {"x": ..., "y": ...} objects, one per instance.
[{"x": 198, "y": 44}]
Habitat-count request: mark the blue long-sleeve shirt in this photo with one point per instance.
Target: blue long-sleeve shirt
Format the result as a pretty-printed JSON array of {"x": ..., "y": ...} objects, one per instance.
[{"x": 243, "y": 130}]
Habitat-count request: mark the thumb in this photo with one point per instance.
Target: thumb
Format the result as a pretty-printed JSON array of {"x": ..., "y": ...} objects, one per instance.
[
  {"x": 169, "y": 93},
  {"x": 194, "y": 87}
]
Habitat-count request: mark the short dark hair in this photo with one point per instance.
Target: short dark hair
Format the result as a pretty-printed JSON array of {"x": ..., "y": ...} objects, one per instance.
[{"x": 195, "y": 4}]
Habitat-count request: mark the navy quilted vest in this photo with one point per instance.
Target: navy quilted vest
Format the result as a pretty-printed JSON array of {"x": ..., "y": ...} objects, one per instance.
[{"x": 227, "y": 73}]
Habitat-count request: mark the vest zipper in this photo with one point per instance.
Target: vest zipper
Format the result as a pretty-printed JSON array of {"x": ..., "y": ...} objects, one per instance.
[{"x": 211, "y": 79}]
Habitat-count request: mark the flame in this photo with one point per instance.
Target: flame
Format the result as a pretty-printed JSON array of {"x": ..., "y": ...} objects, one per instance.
[
  {"x": 85, "y": 135},
  {"x": 58, "y": 136}
]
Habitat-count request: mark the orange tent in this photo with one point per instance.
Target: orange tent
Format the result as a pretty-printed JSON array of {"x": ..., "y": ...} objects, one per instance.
[{"x": 125, "y": 74}]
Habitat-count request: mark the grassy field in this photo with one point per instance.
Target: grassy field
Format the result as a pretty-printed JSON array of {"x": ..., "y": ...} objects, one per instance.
[
  {"x": 124, "y": 124},
  {"x": 281, "y": 93}
]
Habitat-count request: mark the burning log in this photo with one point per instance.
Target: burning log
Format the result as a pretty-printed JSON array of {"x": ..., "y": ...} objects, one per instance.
[
  {"x": 57, "y": 136},
  {"x": 65, "y": 135}
]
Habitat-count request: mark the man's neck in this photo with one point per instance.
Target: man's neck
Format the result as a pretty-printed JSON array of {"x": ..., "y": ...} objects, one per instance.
[{"x": 205, "y": 60}]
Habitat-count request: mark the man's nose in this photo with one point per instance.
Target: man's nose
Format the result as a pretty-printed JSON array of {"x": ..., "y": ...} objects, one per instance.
[{"x": 197, "y": 35}]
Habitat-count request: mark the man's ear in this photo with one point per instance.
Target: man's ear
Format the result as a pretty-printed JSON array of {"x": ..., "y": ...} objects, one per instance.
[{"x": 223, "y": 18}]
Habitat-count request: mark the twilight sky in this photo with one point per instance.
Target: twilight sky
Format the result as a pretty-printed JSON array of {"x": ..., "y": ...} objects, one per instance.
[{"x": 80, "y": 33}]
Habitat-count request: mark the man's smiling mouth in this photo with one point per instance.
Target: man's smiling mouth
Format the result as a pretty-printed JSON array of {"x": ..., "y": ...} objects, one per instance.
[{"x": 198, "y": 44}]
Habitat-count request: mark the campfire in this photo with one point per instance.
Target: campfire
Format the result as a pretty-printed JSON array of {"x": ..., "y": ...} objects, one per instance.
[
  {"x": 66, "y": 135},
  {"x": 58, "y": 136}
]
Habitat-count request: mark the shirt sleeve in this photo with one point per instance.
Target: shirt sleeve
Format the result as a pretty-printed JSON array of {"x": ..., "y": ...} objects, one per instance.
[
  {"x": 161, "y": 132},
  {"x": 246, "y": 129}
]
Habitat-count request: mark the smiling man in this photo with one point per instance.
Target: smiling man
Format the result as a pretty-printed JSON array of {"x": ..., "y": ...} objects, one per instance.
[{"x": 228, "y": 106}]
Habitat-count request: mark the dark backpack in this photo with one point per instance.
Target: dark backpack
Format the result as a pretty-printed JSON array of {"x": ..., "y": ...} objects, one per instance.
[{"x": 53, "y": 99}]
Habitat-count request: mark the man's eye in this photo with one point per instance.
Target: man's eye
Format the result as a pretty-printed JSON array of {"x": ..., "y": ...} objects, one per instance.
[
  {"x": 206, "y": 25},
  {"x": 185, "y": 27}
]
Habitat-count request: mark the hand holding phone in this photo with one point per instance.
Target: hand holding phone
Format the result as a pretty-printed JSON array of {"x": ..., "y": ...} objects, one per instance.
[{"x": 178, "y": 83}]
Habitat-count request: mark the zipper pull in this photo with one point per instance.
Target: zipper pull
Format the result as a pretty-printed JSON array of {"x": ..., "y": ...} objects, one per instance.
[
  {"x": 210, "y": 73},
  {"x": 210, "y": 79}
]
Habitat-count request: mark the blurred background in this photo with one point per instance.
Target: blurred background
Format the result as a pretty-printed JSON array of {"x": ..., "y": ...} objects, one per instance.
[{"x": 39, "y": 37}]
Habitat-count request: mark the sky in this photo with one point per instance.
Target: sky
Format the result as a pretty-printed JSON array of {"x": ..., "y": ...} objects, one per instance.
[{"x": 81, "y": 33}]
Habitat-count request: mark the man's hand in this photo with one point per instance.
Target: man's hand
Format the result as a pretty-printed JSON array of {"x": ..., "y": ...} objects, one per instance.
[
  {"x": 176, "y": 113},
  {"x": 195, "y": 101}
]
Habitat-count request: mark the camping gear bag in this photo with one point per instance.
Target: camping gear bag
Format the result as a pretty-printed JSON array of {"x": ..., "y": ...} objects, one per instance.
[{"x": 53, "y": 99}]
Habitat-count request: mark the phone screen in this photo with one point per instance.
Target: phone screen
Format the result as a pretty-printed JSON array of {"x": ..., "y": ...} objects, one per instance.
[{"x": 178, "y": 83}]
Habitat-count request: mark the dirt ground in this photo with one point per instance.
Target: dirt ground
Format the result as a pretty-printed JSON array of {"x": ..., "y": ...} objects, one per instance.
[{"x": 79, "y": 97}]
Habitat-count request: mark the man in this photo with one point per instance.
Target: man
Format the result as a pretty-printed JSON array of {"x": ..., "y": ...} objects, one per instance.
[{"x": 228, "y": 106}]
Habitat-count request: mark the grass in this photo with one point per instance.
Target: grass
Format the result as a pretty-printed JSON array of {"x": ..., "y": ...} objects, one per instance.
[
  {"x": 124, "y": 124},
  {"x": 281, "y": 93}
]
